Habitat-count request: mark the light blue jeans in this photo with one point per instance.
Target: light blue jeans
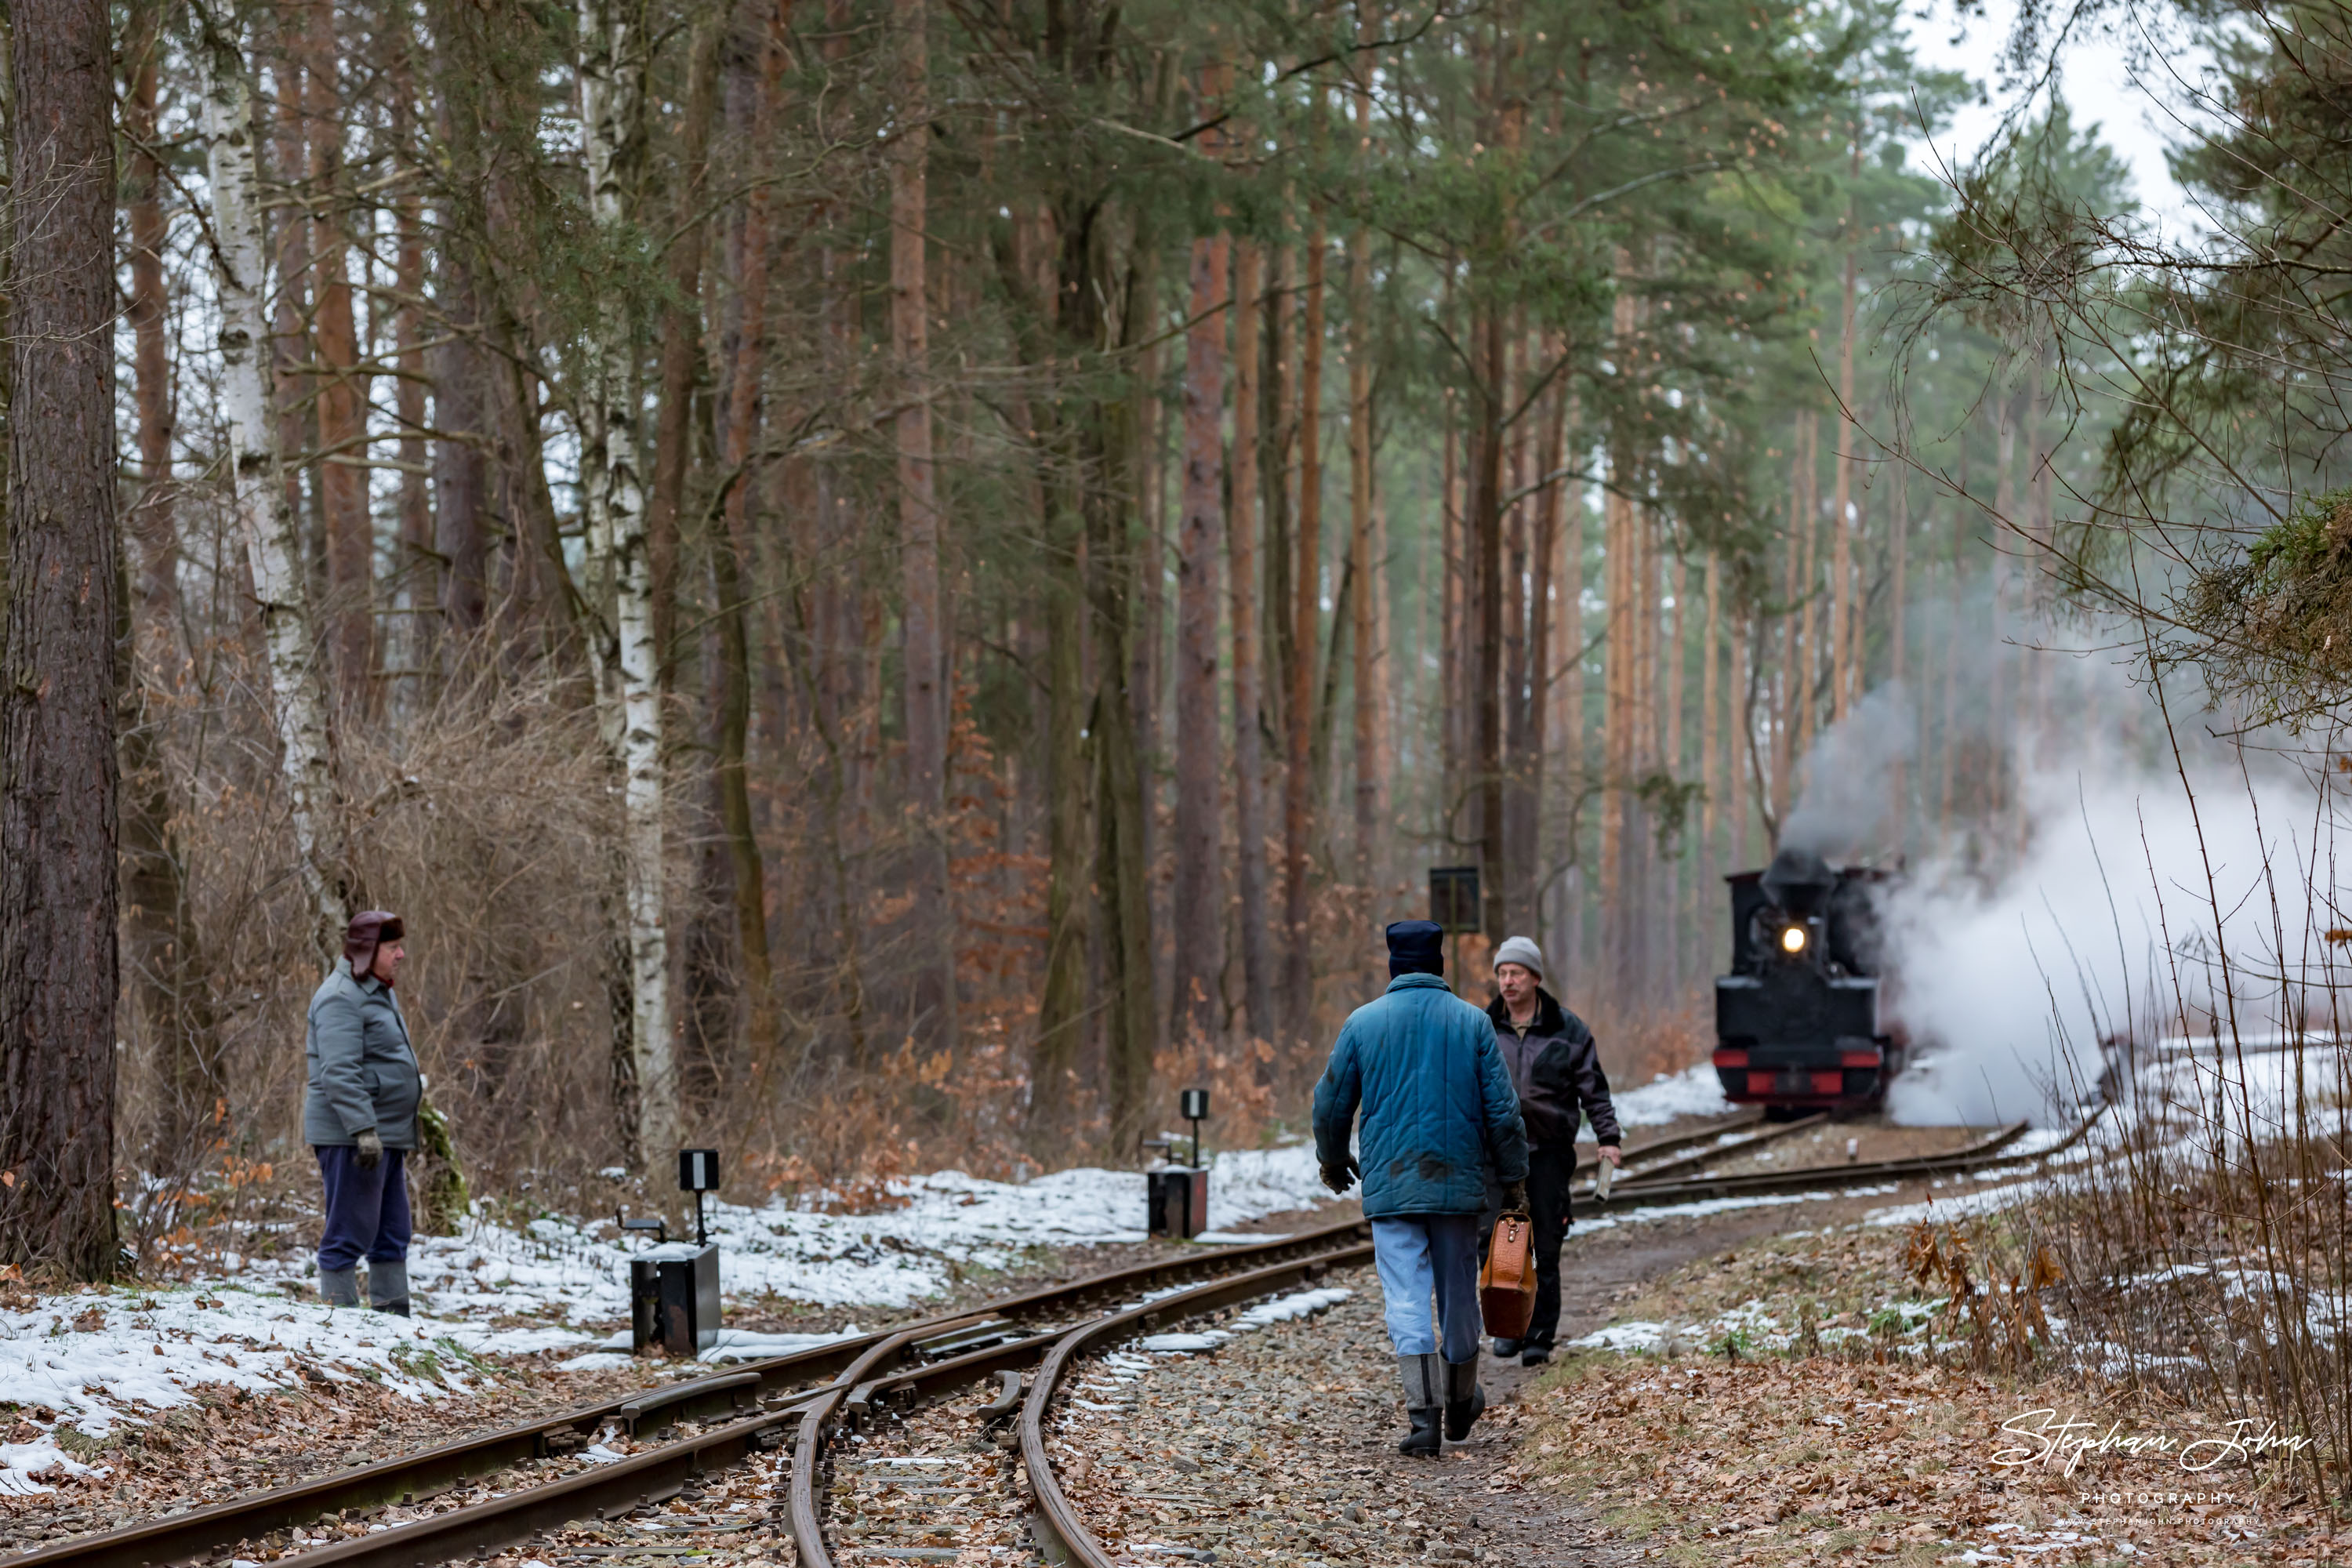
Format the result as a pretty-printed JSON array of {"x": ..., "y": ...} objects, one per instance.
[{"x": 1424, "y": 1259}]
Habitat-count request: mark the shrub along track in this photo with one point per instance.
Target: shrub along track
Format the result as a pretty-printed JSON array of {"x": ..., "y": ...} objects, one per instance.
[{"x": 775, "y": 1424}]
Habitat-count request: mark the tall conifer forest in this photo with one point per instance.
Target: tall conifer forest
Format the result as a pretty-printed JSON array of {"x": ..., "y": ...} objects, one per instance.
[{"x": 883, "y": 584}]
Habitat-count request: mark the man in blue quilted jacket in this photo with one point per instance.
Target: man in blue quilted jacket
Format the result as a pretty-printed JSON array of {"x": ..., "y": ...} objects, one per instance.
[{"x": 1438, "y": 1111}]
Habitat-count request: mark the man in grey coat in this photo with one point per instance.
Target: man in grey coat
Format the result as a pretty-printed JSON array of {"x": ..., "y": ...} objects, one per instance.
[{"x": 359, "y": 1116}]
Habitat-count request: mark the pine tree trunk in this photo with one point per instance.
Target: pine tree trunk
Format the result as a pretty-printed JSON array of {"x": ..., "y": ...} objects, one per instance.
[
  {"x": 1783, "y": 721},
  {"x": 1710, "y": 772},
  {"x": 628, "y": 677},
  {"x": 156, "y": 583},
  {"x": 1277, "y": 436},
  {"x": 1060, "y": 1002},
  {"x": 1123, "y": 871},
  {"x": 1897, "y": 588},
  {"x": 1574, "y": 753},
  {"x": 1249, "y": 716},
  {"x": 169, "y": 978},
  {"x": 1297, "y": 803},
  {"x": 1842, "y": 608},
  {"x": 57, "y": 828},
  {"x": 1360, "y": 537},
  {"x": 1541, "y": 645},
  {"x": 1521, "y": 611},
  {"x": 1490, "y": 373},
  {"x": 1197, "y": 1008},
  {"x": 417, "y": 574},
  {"x": 731, "y": 566},
  {"x": 1447, "y": 709},
  {"x": 1677, "y": 681},
  {"x": 1808, "y": 663},
  {"x": 681, "y": 338},
  {"x": 918, "y": 537},
  {"x": 1617, "y": 690},
  {"x": 259, "y": 506},
  {"x": 460, "y": 465}
]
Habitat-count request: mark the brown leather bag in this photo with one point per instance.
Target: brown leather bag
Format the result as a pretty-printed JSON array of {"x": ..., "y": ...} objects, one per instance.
[{"x": 1506, "y": 1284}]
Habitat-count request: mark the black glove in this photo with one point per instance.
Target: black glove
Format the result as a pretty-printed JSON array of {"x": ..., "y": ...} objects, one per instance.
[
  {"x": 1341, "y": 1177},
  {"x": 1515, "y": 1197},
  {"x": 371, "y": 1148}
]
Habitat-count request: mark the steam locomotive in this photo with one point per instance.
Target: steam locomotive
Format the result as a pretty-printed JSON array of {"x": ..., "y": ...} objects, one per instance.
[{"x": 1797, "y": 1020}]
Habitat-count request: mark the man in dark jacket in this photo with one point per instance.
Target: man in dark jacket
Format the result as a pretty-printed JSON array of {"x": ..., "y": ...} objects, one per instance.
[
  {"x": 359, "y": 1115},
  {"x": 1556, "y": 1069},
  {"x": 1438, "y": 1111}
]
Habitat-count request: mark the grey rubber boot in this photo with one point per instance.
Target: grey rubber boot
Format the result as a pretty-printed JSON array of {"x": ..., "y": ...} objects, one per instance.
[
  {"x": 388, "y": 1288},
  {"x": 1465, "y": 1399},
  {"x": 1425, "y": 1394},
  {"x": 339, "y": 1287}
]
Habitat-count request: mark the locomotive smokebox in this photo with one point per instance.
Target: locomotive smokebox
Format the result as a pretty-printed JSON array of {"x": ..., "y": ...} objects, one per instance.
[
  {"x": 1796, "y": 1019},
  {"x": 1799, "y": 882}
]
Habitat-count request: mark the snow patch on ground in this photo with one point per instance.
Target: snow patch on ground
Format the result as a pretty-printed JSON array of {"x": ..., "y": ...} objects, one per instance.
[
  {"x": 1694, "y": 1092},
  {"x": 22, "y": 1466},
  {"x": 939, "y": 1225},
  {"x": 1281, "y": 1309},
  {"x": 94, "y": 1357}
]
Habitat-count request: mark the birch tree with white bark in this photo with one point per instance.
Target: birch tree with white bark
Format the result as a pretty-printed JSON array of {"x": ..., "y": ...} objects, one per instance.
[
  {"x": 612, "y": 65},
  {"x": 258, "y": 503}
]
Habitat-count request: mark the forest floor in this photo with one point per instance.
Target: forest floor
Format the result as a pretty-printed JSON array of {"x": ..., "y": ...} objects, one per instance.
[
  {"x": 1800, "y": 1397},
  {"x": 122, "y": 1404}
]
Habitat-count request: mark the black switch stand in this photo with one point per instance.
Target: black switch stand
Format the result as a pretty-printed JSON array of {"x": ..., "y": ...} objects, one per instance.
[{"x": 674, "y": 1290}]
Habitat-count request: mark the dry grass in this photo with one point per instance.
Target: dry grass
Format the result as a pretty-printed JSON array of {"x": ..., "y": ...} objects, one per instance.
[{"x": 1866, "y": 1421}]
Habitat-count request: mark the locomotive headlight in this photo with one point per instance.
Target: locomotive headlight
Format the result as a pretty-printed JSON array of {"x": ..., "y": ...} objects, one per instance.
[{"x": 1792, "y": 939}]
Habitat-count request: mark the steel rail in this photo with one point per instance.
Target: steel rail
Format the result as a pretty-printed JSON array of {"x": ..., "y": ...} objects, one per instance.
[
  {"x": 1054, "y": 1511},
  {"x": 808, "y": 1454},
  {"x": 768, "y": 1384},
  {"x": 1704, "y": 1157},
  {"x": 1991, "y": 1150},
  {"x": 1716, "y": 1129}
]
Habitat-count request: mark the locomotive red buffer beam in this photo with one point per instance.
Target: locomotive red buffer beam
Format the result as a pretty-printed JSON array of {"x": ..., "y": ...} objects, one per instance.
[{"x": 1856, "y": 1075}]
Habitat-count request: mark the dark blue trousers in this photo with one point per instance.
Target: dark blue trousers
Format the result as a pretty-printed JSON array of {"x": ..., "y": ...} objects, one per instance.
[{"x": 367, "y": 1211}]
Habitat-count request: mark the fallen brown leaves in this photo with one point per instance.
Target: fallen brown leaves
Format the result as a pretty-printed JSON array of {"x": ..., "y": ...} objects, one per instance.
[
  {"x": 230, "y": 1441},
  {"x": 1822, "y": 1459}
]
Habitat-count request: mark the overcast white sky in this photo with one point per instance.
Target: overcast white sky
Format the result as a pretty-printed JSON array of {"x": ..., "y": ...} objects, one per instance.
[{"x": 2140, "y": 109}]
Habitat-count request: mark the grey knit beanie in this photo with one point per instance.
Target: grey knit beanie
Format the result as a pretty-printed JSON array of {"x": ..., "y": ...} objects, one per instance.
[{"x": 1521, "y": 950}]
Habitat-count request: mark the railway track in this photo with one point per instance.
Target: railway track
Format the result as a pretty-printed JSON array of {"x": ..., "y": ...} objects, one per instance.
[
  {"x": 734, "y": 1414},
  {"x": 780, "y": 1426}
]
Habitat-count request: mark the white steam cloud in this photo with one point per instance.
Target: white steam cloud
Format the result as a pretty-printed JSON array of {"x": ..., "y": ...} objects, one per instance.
[
  {"x": 1848, "y": 805},
  {"x": 2105, "y": 930},
  {"x": 2095, "y": 897}
]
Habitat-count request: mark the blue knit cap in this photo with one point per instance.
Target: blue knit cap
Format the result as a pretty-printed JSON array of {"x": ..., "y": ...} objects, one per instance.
[{"x": 1416, "y": 947}]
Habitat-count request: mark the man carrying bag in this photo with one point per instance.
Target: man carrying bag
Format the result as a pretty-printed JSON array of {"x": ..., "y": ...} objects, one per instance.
[
  {"x": 1556, "y": 1067},
  {"x": 1424, "y": 1066}
]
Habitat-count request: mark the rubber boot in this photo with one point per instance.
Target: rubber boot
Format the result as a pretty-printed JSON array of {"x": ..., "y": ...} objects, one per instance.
[
  {"x": 1465, "y": 1399},
  {"x": 1424, "y": 1390},
  {"x": 339, "y": 1287},
  {"x": 1535, "y": 1355},
  {"x": 388, "y": 1288},
  {"x": 1505, "y": 1349}
]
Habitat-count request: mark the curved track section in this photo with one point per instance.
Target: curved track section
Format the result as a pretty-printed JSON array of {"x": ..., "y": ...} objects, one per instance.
[
  {"x": 1054, "y": 1514},
  {"x": 805, "y": 1399},
  {"x": 744, "y": 1411}
]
